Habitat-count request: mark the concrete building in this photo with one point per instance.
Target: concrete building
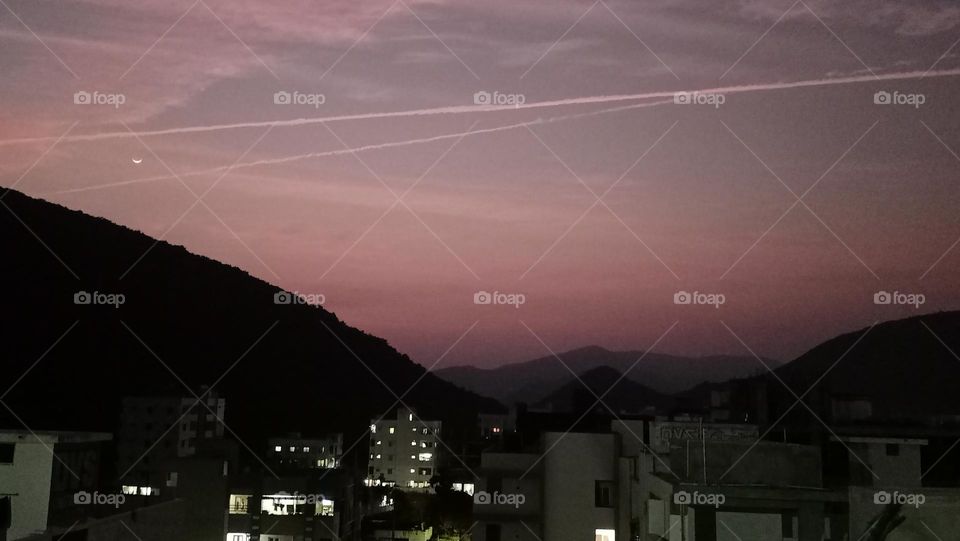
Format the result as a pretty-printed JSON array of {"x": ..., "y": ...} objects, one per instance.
[
  {"x": 309, "y": 506},
  {"x": 296, "y": 452},
  {"x": 41, "y": 472},
  {"x": 158, "y": 428},
  {"x": 403, "y": 451}
]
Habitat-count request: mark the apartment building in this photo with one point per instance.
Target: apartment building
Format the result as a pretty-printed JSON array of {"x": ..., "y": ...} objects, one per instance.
[
  {"x": 403, "y": 451},
  {"x": 296, "y": 452},
  {"x": 155, "y": 429}
]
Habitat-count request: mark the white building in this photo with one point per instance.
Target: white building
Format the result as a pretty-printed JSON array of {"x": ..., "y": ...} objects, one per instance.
[
  {"x": 32, "y": 477},
  {"x": 403, "y": 451}
]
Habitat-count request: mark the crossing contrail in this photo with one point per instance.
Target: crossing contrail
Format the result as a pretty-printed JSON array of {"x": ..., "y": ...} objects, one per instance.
[
  {"x": 379, "y": 146},
  {"x": 588, "y": 100}
]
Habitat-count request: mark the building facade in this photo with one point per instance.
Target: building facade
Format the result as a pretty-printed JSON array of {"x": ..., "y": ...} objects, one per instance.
[{"x": 403, "y": 451}]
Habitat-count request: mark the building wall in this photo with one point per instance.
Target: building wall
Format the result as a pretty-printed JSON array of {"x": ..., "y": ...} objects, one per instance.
[
  {"x": 571, "y": 468},
  {"x": 28, "y": 477},
  {"x": 939, "y": 513}
]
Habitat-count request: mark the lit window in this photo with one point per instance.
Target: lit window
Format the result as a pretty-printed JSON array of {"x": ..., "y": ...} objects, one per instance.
[
  {"x": 413, "y": 470},
  {"x": 425, "y": 457},
  {"x": 413, "y": 457},
  {"x": 292, "y": 448},
  {"x": 325, "y": 508},
  {"x": 234, "y": 536},
  {"x": 410, "y": 417},
  {"x": 605, "y": 535},
  {"x": 469, "y": 488},
  {"x": 392, "y": 430},
  {"x": 378, "y": 457},
  {"x": 277, "y": 449},
  {"x": 413, "y": 443},
  {"x": 373, "y": 429},
  {"x": 306, "y": 449},
  {"x": 379, "y": 442},
  {"x": 414, "y": 429},
  {"x": 457, "y": 486},
  {"x": 239, "y": 504}
]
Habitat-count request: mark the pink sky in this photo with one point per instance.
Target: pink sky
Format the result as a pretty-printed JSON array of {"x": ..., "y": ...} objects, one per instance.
[{"x": 703, "y": 210}]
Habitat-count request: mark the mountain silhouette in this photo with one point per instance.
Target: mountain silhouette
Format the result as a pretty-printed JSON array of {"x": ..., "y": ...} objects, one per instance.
[
  {"x": 186, "y": 320},
  {"x": 533, "y": 380},
  {"x": 618, "y": 393}
]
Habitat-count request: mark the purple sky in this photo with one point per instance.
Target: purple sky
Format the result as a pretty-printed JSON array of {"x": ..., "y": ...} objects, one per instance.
[{"x": 701, "y": 198}]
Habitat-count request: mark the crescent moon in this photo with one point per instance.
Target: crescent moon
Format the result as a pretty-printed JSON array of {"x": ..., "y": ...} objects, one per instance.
[{"x": 137, "y": 161}]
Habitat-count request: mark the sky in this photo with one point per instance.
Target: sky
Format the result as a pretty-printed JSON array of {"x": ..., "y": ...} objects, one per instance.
[{"x": 481, "y": 183}]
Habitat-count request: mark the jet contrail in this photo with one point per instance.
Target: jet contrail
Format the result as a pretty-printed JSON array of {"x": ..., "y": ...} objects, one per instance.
[
  {"x": 589, "y": 100},
  {"x": 379, "y": 146}
]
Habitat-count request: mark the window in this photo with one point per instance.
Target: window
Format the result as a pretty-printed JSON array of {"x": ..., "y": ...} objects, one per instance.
[
  {"x": 413, "y": 443},
  {"x": 893, "y": 449},
  {"x": 410, "y": 417},
  {"x": 292, "y": 448},
  {"x": 277, "y": 449},
  {"x": 239, "y": 504},
  {"x": 6, "y": 453},
  {"x": 425, "y": 471},
  {"x": 425, "y": 457},
  {"x": 306, "y": 449},
  {"x": 603, "y": 496},
  {"x": 413, "y": 470},
  {"x": 605, "y": 535},
  {"x": 392, "y": 430},
  {"x": 238, "y": 536},
  {"x": 325, "y": 508},
  {"x": 373, "y": 429}
]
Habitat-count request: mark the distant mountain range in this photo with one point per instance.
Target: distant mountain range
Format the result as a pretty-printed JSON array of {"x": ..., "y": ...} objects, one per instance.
[
  {"x": 532, "y": 381},
  {"x": 185, "y": 319},
  {"x": 620, "y": 394}
]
